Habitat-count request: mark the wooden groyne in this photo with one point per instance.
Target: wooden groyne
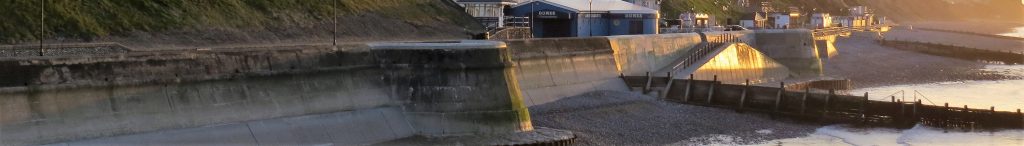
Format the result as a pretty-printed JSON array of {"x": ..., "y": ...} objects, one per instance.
[
  {"x": 828, "y": 108},
  {"x": 962, "y": 52}
]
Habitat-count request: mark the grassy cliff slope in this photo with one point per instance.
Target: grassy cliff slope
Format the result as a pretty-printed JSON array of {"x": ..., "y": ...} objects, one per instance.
[{"x": 154, "y": 23}]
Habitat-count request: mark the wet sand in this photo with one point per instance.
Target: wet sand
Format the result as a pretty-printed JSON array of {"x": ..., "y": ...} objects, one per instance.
[
  {"x": 1001, "y": 44},
  {"x": 625, "y": 118},
  {"x": 994, "y": 28},
  {"x": 869, "y": 64}
]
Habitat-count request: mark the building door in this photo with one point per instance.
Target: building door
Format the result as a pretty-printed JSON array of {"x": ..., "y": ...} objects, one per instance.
[
  {"x": 636, "y": 27},
  {"x": 556, "y": 28}
]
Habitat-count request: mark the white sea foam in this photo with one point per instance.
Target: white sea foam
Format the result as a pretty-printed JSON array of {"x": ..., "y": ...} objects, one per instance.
[
  {"x": 1006, "y": 95},
  {"x": 919, "y": 135}
]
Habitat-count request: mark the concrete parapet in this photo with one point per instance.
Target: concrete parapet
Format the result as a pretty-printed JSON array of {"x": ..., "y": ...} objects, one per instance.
[
  {"x": 550, "y": 69},
  {"x": 152, "y": 67},
  {"x": 639, "y": 54},
  {"x": 40, "y": 116},
  {"x": 791, "y": 47},
  {"x": 455, "y": 88},
  {"x": 745, "y": 36}
]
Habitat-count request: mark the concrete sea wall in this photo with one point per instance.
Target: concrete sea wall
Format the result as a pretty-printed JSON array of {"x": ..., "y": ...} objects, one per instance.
[
  {"x": 794, "y": 48},
  {"x": 549, "y": 69},
  {"x": 283, "y": 96},
  {"x": 552, "y": 68},
  {"x": 737, "y": 63},
  {"x": 453, "y": 89},
  {"x": 87, "y": 97},
  {"x": 439, "y": 91}
]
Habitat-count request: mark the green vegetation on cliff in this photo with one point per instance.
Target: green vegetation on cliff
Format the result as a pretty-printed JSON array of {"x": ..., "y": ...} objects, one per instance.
[{"x": 89, "y": 19}]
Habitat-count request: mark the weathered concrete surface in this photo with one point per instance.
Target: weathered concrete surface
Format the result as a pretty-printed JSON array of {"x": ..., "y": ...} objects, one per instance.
[
  {"x": 392, "y": 92},
  {"x": 45, "y": 116},
  {"x": 174, "y": 66},
  {"x": 455, "y": 88},
  {"x": 735, "y": 63},
  {"x": 794, "y": 48},
  {"x": 549, "y": 69},
  {"x": 341, "y": 128},
  {"x": 639, "y": 54}
]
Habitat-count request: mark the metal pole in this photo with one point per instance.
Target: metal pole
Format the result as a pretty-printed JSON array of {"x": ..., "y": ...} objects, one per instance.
[
  {"x": 42, "y": 26},
  {"x": 334, "y": 34},
  {"x": 589, "y": 24}
]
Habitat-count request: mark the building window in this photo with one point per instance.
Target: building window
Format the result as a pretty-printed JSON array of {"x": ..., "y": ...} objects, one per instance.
[{"x": 484, "y": 10}]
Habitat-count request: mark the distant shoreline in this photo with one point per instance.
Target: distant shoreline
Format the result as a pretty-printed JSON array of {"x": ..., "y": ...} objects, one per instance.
[{"x": 978, "y": 27}]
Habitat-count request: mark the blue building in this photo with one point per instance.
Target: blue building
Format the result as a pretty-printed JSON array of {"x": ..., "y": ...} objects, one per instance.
[{"x": 581, "y": 18}]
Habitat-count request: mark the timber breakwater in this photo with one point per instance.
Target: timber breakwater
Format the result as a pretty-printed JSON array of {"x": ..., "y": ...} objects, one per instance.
[{"x": 828, "y": 108}]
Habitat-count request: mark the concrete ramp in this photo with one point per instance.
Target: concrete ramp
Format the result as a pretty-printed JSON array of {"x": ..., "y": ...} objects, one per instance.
[{"x": 736, "y": 63}]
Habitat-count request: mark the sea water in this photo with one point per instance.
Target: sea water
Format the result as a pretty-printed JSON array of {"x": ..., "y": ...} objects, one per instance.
[
  {"x": 1006, "y": 95},
  {"x": 1017, "y": 32}
]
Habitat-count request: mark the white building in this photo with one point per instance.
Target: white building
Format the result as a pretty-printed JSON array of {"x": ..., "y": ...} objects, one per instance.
[
  {"x": 652, "y": 4},
  {"x": 861, "y": 16},
  {"x": 696, "y": 20},
  {"x": 754, "y": 20},
  {"x": 779, "y": 20},
  {"x": 821, "y": 20},
  {"x": 491, "y": 13}
]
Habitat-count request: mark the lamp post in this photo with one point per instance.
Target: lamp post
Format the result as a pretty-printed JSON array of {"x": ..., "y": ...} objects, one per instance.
[
  {"x": 42, "y": 25},
  {"x": 334, "y": 34}
]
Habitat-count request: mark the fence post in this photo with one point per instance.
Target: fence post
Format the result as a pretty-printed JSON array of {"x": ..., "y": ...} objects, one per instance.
[
  {"x": 899, "y": 117},
  {"x": 743, "y": 95},
  {"x": 803, "y": 100},
  {"x": 968, "y": 118},
  {"x": 647, "y": 86},
  {"x": 711, "y": 91},
  {"x": 991, "y": 116},
  {"x": 668, "y": 86},
  {"x": 914, "y": 115},
  {"x": 945, "y": 116},
  {"x": 778, "y": 97},
  {"x": 824, "y": 113},
  {"x": 689, "y": 87},
  {"x": 864, "y": 109},
  {"x": 1020, "y": 116}
]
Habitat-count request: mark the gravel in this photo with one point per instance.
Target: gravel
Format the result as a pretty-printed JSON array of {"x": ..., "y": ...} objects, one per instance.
[
  {"x": 626, "y": 118},
  {"x": 868, "y": 64}
]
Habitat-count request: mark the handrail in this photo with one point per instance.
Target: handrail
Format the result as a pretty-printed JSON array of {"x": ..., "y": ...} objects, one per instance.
[{"x": 925, "y": 97}]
